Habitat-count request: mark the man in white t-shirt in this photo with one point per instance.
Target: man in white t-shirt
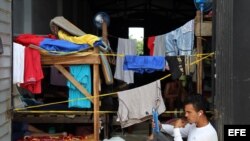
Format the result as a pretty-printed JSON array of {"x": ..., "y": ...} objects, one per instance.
[{"x": 195, "y": 126}]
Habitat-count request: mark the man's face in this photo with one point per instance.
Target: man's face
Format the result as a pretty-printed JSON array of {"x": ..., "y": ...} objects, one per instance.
[{"x": 190, "y": 113}]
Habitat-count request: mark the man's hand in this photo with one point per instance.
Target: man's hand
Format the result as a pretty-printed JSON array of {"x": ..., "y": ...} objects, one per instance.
[
  {"x": 180, "y": 123},
  {"x": 159, "y": 123}
]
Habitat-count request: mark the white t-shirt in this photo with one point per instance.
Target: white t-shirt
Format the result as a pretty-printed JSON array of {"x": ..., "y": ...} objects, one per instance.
[{"x": 193, "y": 133}]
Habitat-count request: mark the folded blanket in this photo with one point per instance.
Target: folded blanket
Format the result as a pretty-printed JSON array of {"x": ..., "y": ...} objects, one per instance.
[
  {"x": 62, "y": 45},
  {"x": 66, "y": 25}
]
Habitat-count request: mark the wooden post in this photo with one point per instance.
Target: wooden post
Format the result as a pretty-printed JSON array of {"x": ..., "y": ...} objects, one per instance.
[
  {"x": 199, "y": 51},
  {"x": 96, "y": 82},
  {"x": 105, "y": 39},
  {"x": 105, "y": 32},
  {"x": 73, "y": 81}
]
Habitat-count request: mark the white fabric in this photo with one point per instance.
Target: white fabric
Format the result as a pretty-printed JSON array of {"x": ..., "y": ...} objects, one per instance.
[
  {"x": 114, "y": 139},
  {"x": 136, "y": 105},
  {"x": 125, "y": 47},
  {"x": 18, "y": 63},
  {"x": 206, "y": 133},
  {"x": 159, "y": 48}
]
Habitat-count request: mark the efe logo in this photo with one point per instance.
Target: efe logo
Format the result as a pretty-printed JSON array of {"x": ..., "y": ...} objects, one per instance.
[{"x": 237, "y": 132}]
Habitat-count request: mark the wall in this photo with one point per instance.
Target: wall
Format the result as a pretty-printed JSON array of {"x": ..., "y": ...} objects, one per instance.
[
  {"x": 231, "y": 38},
  {"x": 42, "y": 12},
  {"x": 241, "y": 61},
  {"x": 5, "y": 67}
]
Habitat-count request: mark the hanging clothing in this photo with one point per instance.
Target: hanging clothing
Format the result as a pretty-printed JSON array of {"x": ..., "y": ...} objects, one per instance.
[
  {"x": 159, "y": 48},
  {"x": 33, "y": 73},
  {"x": 126, "y": 47},
  {"x": 135, "y": 105},
  {"x": 82, "y": 74},
  {"x": 18, "y": 63},
  {"x": 171, "y": 44},
  {"x": 181, "y": 40},
  {"x": 185, "y": 41},
  {"x": 144, "y": 64},
  {"x": 176, "y": 65},
  {"x": 151, "y": 44}
]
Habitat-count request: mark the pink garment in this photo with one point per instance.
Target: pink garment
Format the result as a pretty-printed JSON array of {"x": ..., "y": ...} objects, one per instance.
[{"x": 151, "y": 45}]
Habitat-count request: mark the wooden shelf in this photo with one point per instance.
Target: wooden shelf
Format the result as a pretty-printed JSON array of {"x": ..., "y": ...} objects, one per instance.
[{"x": 89, "y": 57}]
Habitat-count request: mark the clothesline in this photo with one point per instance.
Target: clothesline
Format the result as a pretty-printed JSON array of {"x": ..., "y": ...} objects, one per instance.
[
  {"x": 83, "y": 112},
  {"x": 117, "y": 37},
  {"x": 42, "y": 51},
  {"x": 122, "y": 55},
  {"x": 113, "y": 36},
  {"x": 101, "y": 95}
]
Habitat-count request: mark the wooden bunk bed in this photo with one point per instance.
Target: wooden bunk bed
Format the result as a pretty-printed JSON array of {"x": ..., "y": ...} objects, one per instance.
[{"x": 90, "y": 57}]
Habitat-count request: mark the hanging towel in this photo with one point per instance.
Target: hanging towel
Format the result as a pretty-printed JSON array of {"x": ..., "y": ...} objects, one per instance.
[
  {"x": 33, "y": 73},
  {"x": 126, "y": 47},
  {"x": 135, "y": 105},
  {"x": 141, "y": 64},
  {"x": 159, "y": 48},
  {"x": 18, "y": 63},
  {"x": 82, "y": 74},
  {"x": 151, "y": 44}
]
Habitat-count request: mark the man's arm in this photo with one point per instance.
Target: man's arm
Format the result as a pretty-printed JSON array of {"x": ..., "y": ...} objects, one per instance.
[{"x": 178, "y": 128}]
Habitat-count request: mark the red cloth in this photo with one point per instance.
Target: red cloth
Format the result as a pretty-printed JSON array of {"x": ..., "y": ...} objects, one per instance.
[
  {"x": 27, "y": 39},
  {"x": 33, "y": 73},
  {"x": 151, "y": 45}
]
